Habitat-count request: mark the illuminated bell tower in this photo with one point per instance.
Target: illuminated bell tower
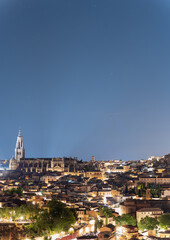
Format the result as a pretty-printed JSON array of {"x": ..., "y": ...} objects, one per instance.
[{"x": 19, "y": 149}]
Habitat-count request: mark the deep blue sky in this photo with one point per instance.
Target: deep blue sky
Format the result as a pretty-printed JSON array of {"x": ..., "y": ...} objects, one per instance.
[{"x": 85, "y": 77}]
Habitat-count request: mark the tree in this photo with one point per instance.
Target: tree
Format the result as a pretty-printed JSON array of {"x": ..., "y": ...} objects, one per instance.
[
  {"x": 148, "y": 223},
  {"x": 56, "y": 218},
  {"x": 107, "y": 213},
  {"x": 98, "y": 224},
  {"x": 164, "y": 221},
  {"x": 74, "y": 213},
  {"x": 26, "y": 211},
  {"x": 62, "y": 216},
  {"x": 13, "y": 191},
  {"x": 140, "y": 186},
  {"x": 126, "y": 189},
  {"x": 100, "y": 211},
  {"x": 126, "y": 219}
]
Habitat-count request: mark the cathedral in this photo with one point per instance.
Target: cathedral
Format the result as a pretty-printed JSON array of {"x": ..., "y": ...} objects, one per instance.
[
  {"x": 39, "y": 165},
  {"x": 19, "y": 153}
]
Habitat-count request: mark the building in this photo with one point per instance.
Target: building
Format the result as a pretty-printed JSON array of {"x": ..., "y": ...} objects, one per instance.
[
  {"x": 19, "y": 149},
  {"x": 165, "y": 194},
  {"x": 127, "y": 232},
  {"x": 148, "y": 212},
  {"x": 155, "y": 180},
  {"x": 107, "y": 232},
  {"x": 50, "y": 177},
  {"x": 19, "y": 152},
  {"x": 164, "y": 234},
  {"x": 39, "y": 165},
  {"x": 130, "y": 206},
  {"x": 43, "y": 165},
  {"x": 94, "y": 174}
]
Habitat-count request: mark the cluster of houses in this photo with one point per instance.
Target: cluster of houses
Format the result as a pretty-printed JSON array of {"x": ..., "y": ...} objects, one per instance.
[{"x": 139, "y": 188}]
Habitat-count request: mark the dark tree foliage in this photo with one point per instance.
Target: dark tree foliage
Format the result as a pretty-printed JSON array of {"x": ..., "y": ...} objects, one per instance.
[
  {"x": 164, "y": 221},
  {"x": 13, "y": 191},
  {"x": 155, "y": 190},
  {"x": 56, "y": 218},
  {"x": 98, "y": 224},
  {"x": 148, "y": 223},
  {"x": 126, "y": 189},
  {"x": 105, "y": 211},
  {"x": 125, "y": 219},
  {"x": 74, "y": 213},
  {"x": 24, "y": 212}
]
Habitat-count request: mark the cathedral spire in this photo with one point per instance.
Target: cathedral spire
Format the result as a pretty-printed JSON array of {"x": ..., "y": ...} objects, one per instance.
[
  {"x": 20, "y": 133},
  {"x": 19, "y": 149}
]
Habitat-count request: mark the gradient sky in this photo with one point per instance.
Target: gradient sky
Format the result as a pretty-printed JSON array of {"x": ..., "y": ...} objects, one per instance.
[{"x": 85, "y": 77}]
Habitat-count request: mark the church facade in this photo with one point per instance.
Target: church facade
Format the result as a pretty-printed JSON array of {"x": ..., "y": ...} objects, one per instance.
[{"x": 39, "y": 165}]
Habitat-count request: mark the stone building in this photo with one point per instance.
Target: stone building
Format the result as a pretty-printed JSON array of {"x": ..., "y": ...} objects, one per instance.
[
  {"x": 19, "y": 149},
  {"x": 130, "y": 206},
  {"x": 39, "y": 165},
  {"x": 154, "y": 180},
  {"x": 42, "y": 165},
  {"x": 148, "y": 212},
  {"x": 19, "y": 152},
  {"x": 94, "y": 174}
]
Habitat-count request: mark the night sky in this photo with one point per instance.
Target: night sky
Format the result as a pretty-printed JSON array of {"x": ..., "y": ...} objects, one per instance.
[{"x": 85, "y": 77}]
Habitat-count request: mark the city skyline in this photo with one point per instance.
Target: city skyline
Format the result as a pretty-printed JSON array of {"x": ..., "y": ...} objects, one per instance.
[
  {"x": 85, "y": 78},
  {"x": 19, "y": 148}
]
